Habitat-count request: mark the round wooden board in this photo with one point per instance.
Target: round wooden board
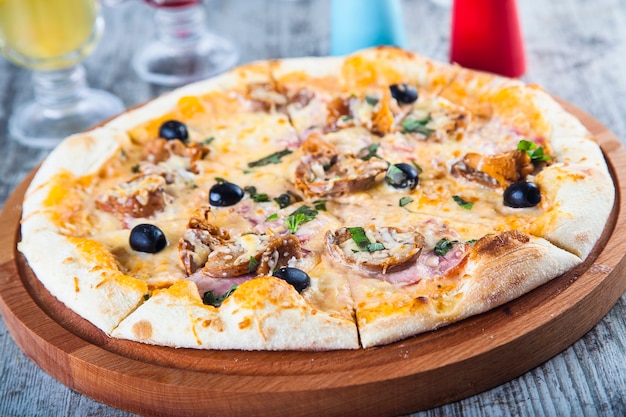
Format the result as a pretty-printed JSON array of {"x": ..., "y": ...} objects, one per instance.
[{"x": 422, "y": 372}]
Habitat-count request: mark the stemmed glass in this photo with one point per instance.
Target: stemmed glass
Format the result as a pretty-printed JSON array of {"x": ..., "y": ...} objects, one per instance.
[
  {"x": 184, "y": 50},
  {"x": 52, "y": 37}
]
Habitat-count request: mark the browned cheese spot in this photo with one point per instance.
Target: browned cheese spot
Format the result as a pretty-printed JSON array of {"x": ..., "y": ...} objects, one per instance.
[
  {"x": 494, "y": 246},
  {"x": 142, "y": 330}
]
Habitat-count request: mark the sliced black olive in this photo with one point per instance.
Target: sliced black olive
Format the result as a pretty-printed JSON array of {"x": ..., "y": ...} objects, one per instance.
[
  {"x": 294, "y": 276},
  {"x": 173, "y": 129},
  {"x": 403, "y": 93},
  {"x": 225, "y": 194},
  {"x": 147, "y": 238},
  {"x": 522, "y": 194},
  {"x": 402, "y": 176}
]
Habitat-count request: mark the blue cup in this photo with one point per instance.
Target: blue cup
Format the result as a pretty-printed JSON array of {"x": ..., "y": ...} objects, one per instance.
[{"x": 358, "y": 24}]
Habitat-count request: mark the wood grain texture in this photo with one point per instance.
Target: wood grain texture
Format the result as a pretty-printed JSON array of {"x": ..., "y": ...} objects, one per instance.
[{"x": 575, "y": 49}]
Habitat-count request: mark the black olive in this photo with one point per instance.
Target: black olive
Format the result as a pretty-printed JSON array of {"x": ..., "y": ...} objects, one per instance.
[
  {"x": 402, "y": 176},
  {"x": 403, "y": 93},
  {"x": 294, "y": 276},
  {"x": 522, "y": 194},
  {"x": 173, "y": 129},
  {"x": 147, "y": 238},
  {"x": 225, "y": 194}
]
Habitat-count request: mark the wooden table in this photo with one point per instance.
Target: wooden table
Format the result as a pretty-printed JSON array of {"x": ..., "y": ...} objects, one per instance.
[{"x": 576, "y": 49}]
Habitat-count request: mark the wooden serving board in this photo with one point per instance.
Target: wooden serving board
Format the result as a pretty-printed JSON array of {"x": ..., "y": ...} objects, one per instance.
[{"x": 422, "y": 372}]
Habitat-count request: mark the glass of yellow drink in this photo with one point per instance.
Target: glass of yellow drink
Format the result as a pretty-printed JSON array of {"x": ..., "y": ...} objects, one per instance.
[{"x": 52, "y": 37}]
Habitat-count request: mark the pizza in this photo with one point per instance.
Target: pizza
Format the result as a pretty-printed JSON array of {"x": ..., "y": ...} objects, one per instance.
[{"x": 316, "y": 204}]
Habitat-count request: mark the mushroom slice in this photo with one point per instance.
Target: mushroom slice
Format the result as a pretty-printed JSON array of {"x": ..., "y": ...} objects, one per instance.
[
  {"x": 141, "y": 196},
  {"x": 281, "y": 250},
  {"x": 161, "y": 150},
  {"x": 373, "y": 249},
  {"x": 249, "y": 253},
  {"x": 266, "y": 96},
  {"x": 499, "y": 170},
  {"x": 323, "y": 172},
  {"x": 199, "y": 239}
]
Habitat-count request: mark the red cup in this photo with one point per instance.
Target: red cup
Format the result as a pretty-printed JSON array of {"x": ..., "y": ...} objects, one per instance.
[{"x": 486, "y": 36}]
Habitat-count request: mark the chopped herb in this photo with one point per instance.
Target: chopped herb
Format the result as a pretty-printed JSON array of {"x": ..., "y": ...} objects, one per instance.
[
  {"x": 247, "y": 171},
  {"x": 256, "y": 197},
  {"x": 253, "y": 264},
  {"x": 320, "y": 205},
  {"x": 208, "y": 141},
  {"x": 220, "y": 180},
  {"x": 417, "y": 167},
  {"x": 260, "y": 198},
  {"x": 302, "y": 215},
  {"x": 274, "y": 158},
  {"x": 410, "y": 125},
  {"x": 135, "y": 168},
  {"x": 192, "y": 185},
  {"x": 210, "y": 298},
  {"x": 443, "y": 246},
  {"x": 405, "y": 200},
  {"x": 461, "y": 202},
  {"x": 123, "y": 154},
  {"x": 146, "y": 297},
  {"x": 534, "y": 153},
  {"x": 373, "y": 247},
  {"x": 371, "y": 100},
  {"x": 358, "y": 235},
  {"x": 272, "y": 217},
  {"x": 361, "y": 240},
  {"x": 346, "y": 118},
  {"x": 471, "y": 242},
  {"x": 283, "y": 200},
  {"x": 369, "y": 151}
]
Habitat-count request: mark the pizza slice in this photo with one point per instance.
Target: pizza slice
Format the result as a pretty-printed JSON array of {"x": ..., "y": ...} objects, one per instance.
[{"x": 354, "y": 91}]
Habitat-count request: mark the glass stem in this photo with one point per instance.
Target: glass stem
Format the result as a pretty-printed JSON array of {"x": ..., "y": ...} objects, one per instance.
[
  {"x": 181, "y": 26},
  {"x": 58, "y": 91}
]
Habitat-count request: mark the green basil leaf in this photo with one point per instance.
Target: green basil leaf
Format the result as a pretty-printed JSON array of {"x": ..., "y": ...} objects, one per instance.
[
  {"x": 405, "y": 200},
  {"x": 369, "y": 151},
  {"x": 410, "y": 125},
  {"x": 274, "y": 158},
  {"x": 302, "y": 214},
  {"x": 417, "y": 167},
  {"x": 534, "y": 153},
  {"x": 209, "y": 297},
  {"x": 320, "y": 205},
  {"x": 358, "y": 235},
  {"x": 443, "y": 246},
  {"x": 252, "y": 264},
  {"x": 461, "y": 202}
]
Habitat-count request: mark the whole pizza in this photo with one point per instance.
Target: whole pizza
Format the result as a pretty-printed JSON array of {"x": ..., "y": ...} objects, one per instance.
[{"x": 316, "y": 204}]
